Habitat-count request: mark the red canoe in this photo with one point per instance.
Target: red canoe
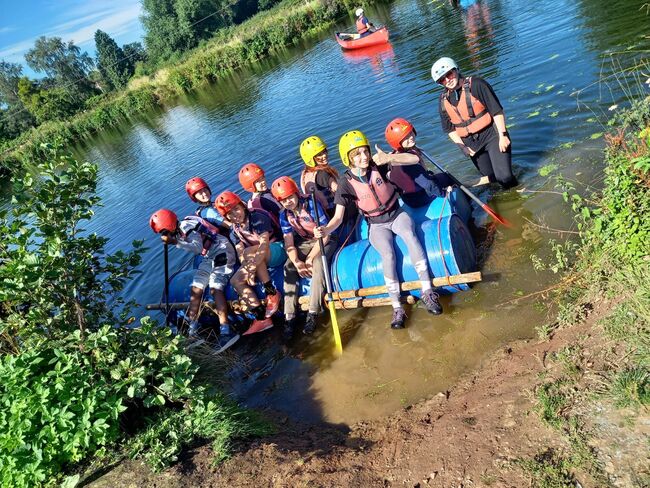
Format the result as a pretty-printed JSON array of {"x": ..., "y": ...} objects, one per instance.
[{"x": 353, "y": 41}]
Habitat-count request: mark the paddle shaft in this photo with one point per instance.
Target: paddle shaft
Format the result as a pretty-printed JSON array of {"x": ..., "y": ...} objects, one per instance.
[
  {"x": 328, "y": 281},
  {"x": 166, "y": 253},
  {"x": 484, "y": 206}
]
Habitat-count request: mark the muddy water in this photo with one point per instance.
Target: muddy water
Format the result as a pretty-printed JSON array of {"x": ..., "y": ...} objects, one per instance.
[{"x": 557, "y": 68}]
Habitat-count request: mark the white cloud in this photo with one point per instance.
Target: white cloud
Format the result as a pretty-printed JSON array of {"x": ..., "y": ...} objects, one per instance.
[
  {"x": 9, "y": 28},
  {"x": 116, "y": 21}
]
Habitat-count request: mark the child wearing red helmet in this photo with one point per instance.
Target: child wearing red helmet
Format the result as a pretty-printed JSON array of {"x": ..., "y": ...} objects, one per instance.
[
  {"x": 408, "y": 172},
  {"x": 197, "y": 236},
  {"x": 253, "y": 180},
  {"x": 298, "y": 220},
  {"x": 257, "y": 241},
  {"x": 199, "y": 192}
]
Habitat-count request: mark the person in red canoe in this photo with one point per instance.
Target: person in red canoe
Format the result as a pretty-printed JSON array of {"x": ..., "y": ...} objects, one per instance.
[{"x": 364, "y": 27}]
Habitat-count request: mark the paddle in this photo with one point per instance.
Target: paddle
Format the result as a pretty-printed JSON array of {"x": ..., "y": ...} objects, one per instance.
[
  {"x": 166, "y": 253},
  {"x": 484, "y": 206},
  {"x": 328, "y": 282}
]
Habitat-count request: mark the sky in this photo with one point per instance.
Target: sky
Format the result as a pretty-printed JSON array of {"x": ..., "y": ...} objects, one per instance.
[{"x": 23, "y": 21}]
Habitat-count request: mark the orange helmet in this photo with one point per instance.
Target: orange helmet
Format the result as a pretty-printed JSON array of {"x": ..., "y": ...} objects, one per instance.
[
  {"x": 194, "y": 185},
  {"x": 163, "y": 219},
  {"x": 248, "y": 175},
  {"x": 226, "y": 201},
  {"x": 397, "y": 130},
  {"x": 283, "y": 188}
]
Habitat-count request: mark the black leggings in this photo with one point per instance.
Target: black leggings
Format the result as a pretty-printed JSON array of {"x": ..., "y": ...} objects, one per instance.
[{"x": 494, "y": 164}]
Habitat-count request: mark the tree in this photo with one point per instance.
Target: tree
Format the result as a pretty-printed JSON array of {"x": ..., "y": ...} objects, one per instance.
[
  {"x": 174, "y": 26},
  {"x": 14, "y": 117},
  {"x": 63, "y": 63},
  {"x": 47, "y": 103},
  {"x": 134, "y": 53},
  {"x": 111, "y": 61}
]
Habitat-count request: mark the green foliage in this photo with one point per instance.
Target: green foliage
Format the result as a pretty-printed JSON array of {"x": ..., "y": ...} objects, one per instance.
[
  {"x": 553, "y": 398},
  {"x": 75, "y": 378},
  {"x": 62, "y": 62},
  {"x": 549, "y": 470},
  {"x": 47, "y": 103},
  {"x": 631, "y": 387},
  {"x": 114, "y": 67}
]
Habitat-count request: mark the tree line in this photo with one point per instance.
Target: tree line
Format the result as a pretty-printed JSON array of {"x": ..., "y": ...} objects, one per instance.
[{"x": 74, "y": 81}]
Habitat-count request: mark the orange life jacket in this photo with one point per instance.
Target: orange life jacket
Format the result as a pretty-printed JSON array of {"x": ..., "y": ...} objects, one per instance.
[
  {"x": 470, "y": 116},
  {"x": 376, "y": 197},
  {"x": 362, "y": 27}
]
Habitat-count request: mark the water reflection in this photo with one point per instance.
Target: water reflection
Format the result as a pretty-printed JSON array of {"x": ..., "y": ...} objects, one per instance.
[{"x": 380, "y": 57}]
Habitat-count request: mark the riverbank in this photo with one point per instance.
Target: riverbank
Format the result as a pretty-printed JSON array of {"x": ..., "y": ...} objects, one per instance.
[
  {"x": 232, "y": 48},
  {"x": 568, "y": 408}
]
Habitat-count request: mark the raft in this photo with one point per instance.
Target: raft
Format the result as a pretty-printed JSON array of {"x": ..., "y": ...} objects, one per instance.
[
  {"x": 355, "y": 41},
  {"x": 442, "y": 230}
]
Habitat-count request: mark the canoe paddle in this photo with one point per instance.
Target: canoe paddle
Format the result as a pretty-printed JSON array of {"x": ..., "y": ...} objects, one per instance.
[
  {"x": 328, "y": 281},
  {"x": 484, "y": 206}
]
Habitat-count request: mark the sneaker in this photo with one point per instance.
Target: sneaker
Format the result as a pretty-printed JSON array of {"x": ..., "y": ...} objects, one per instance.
[
  {"x": 310, "y": 323},
  {"x": 289, "y": 327},
  {"x": 259, "y": 326},
  {"x": 225, "y": 341},
  {"x": 273, "y": 303},
  {"x": 399, "y": 317},
  {"x": 431, "y": 302}
]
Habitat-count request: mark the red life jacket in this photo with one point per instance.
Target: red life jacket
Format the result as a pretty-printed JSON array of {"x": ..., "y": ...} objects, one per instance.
[
  {"x": 303, "y": 223},
  {"x": 362, "y": 27},
  {"x": 208, "y": 232},
  {"x": 255, "y": 203},
  {"x": 376, "y": 197},
  {"x": 470, "y": 116},
  {"x": 250, "y": 237}
]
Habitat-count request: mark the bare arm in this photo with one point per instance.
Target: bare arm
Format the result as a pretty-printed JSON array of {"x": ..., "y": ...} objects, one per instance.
[
  {"x": 333, "y": 223},
  {"x": 398, "y": 159},
  {"x": 504, "y": 140}
]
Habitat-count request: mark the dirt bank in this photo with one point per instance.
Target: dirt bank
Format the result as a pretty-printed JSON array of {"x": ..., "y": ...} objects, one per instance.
[{"x": 477, "y": 434}]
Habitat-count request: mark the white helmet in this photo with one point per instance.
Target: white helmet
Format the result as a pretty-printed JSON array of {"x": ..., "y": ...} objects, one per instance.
[
  {"x": 441, "y": 67},
  {"x": 358, "y": 12}
]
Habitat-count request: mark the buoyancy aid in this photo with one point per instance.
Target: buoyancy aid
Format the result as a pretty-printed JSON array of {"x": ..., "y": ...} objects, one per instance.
[
  {"x": 323, "y": 193},
  {"x": 248, "y": 236},
  {"x": 303, "y": 223},
  {"x": 470, "y": 116},
  {"x": 374, "y": 197},
  {"x": 208, "y": 213},
  {"x": 362, "y": 25},
  {"x": 208, "y": 232},
  {"x": 255, "y": 203}
]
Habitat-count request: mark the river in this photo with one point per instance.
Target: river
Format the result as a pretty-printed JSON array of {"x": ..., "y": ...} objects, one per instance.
[{"x": 558, "y": 69}]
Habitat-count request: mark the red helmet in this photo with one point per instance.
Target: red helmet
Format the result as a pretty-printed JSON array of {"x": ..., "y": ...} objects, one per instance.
[
  {"x": 397, "y": 130},
  {"x": 226, "y": 201},
  {"x": 283, "y": 188},
  {"x": 248, "y": 175},
  {"x": 163, "y": 219},
  {"x": 194, "y": 185}
]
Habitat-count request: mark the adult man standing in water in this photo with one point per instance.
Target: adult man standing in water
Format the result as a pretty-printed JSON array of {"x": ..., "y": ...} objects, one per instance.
[{"x": 473, "y": 117}]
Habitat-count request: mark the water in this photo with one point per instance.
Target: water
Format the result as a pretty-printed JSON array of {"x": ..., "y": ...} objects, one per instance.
[{"x": 544, "y": 59}]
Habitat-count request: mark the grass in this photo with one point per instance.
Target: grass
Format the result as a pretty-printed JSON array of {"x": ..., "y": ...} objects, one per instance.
[{"x": 549, "y": 470}]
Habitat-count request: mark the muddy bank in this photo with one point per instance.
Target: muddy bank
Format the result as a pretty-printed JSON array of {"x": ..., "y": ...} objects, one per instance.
[{"x": 483, "y": 432}]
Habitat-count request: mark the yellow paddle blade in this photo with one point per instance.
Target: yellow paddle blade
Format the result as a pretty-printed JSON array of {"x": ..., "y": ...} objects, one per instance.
[{"x": 335, "y": 329}]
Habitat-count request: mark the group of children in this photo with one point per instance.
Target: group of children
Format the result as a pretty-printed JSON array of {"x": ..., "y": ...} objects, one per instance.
[{"x": 281, "y": 226}]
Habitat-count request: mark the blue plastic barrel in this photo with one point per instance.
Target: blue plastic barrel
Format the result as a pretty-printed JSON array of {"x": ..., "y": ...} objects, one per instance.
[
  {"x": 448, "y": 245},
  {"x": 457, "y": 203}
]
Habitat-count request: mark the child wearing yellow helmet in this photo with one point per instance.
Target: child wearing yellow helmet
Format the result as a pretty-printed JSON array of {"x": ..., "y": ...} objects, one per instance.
[
  {"x": 366, "y": 185},
  {"x": 317, "y": 172}
]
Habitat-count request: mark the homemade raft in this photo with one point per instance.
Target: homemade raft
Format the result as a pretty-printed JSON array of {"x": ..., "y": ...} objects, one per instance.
[{"x": 356, "y": 269}]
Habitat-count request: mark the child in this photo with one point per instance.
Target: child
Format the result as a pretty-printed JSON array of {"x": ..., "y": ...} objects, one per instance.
[
  {"x": 199, "y": 192},
  {"x": 198, "y": 236},
  {"x": 417, "y": 185},
  {"x": 298, "y": 220},
  {"x": 366, "y": 185},
  {"x": 256, "y": 241},
  {"x": 251, "y": 178},
  {"x": 317, "y": 172}
]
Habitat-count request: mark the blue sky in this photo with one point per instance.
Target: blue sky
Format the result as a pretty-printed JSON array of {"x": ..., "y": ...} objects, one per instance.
[{"x": 23, "y": 21}]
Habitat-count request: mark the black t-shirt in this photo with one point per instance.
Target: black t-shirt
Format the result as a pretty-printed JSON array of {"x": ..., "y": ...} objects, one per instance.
[
  {"x": 346, "y": 196},
  {"x": 482, "y": 91},
  {"x": 323, "y": 179}
]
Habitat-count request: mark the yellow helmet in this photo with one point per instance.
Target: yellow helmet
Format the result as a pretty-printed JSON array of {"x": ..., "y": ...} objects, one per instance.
[
  {"x": 349, "y": 141},
  {"x": 309, "y": 148}
]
